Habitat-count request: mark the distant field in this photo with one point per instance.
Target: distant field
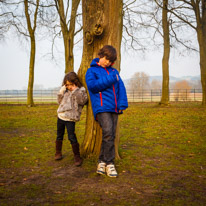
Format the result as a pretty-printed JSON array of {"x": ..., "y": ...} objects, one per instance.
[{"x": 163, "y": 151}]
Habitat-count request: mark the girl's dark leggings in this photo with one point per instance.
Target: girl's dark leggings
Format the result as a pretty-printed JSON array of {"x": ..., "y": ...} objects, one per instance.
[{"x": 61, "y": 124}]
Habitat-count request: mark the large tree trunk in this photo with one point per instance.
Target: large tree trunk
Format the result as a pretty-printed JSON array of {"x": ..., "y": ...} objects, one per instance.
[
  {"x": 166, "y": 55},
  {"x": 102, "y": 25},
  {"x": 68, "y": 34}
]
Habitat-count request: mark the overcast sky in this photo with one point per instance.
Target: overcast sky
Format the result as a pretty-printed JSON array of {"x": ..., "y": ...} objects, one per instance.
[
  {"x": 14, "y": 59},
  {"x": 14, "y": 66}
]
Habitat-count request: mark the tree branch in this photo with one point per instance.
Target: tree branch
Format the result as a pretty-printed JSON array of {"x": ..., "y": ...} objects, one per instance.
[
  {"x": 78, "y": 31},
  {"x": 35, "y": 15}
]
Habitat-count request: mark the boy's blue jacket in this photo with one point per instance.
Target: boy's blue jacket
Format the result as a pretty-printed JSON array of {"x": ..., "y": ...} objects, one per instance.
[{"x": 107, "y": 94}]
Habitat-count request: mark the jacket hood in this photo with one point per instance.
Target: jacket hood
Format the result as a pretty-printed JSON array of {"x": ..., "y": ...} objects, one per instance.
[{"x": 94, "y": 63}]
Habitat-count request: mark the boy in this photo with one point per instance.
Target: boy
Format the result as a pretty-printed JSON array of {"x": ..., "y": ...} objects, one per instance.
[{"x": 108, "y": 98}]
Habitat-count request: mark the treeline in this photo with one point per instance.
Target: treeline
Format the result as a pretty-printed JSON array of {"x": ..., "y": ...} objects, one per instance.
[{"x": 141, "y": 81}]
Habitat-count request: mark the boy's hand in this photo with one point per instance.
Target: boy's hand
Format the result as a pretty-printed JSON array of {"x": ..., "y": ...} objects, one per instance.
[{"x": 121, "y": 111}]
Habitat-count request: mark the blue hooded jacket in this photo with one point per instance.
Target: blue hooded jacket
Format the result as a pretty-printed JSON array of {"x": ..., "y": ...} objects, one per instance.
[{"x": 107, "y": 94}]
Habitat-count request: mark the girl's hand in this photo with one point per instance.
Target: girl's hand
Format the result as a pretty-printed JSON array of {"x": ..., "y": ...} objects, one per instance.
[{"x": 62, "y": 90}]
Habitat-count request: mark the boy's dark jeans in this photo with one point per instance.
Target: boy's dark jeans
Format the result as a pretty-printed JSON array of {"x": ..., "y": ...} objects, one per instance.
[
  {"x": 70, "y": 130},
  {"x": 108, "y": 123}
]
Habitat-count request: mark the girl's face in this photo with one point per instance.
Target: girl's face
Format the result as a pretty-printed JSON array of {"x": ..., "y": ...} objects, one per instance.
[
  {"x": 104, "y": 62},
  {"x": 70, "y": 86}
]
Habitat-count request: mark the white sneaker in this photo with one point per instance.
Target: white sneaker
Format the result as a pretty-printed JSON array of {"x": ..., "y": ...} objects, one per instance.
[
  {"x": 111, "y": 171},
  {"x": 101, "y": 168}
]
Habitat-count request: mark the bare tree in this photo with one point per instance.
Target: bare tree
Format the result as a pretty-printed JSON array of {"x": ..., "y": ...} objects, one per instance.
[
  {"x": 102, "y": 24},
  {"x": 144, "y": 16},
  {"x": 68, "y": 32},
  {"x": 155, "y": 84},
  {"x": 22, "y": 15},
  {"x": 182, "y": 90},
  {"x": 193, "y": 14},
  {"x": 31, "y": 30},
  {"x": 166, "y": 55},
  {"x": 139, "y": 81}
]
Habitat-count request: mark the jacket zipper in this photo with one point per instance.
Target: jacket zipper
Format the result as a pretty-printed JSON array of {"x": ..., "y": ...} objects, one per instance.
[
  {"x": 115, "y": 98},
  {"x": 100, "y": 94},
  {"x": 113, "y": 92}
]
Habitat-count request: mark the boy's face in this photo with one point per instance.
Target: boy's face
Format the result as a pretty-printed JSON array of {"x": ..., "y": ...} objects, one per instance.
[{"x": 104, "y": 62}]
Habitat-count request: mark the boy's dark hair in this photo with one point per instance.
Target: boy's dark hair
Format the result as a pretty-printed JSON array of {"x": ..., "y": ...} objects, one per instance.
[
  {"x": 109, "y": 52},
  {"x": 73, "y": 78}
]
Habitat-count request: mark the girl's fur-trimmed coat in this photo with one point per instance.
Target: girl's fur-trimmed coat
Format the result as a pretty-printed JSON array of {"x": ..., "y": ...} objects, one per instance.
[{"x": 71, "y": 104}]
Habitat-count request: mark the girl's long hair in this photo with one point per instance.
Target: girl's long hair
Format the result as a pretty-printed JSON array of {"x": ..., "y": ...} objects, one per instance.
[{"x": 73, "y": 78}]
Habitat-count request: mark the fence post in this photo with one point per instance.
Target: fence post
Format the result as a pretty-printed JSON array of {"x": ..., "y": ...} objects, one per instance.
[
  {"x": 178, "y": 95},
  {"x": 52, "y": 94},
  {"x": 6, "y": 96},
  {"x": 160, "y": 95},
  {"x": 194, "y": 94},
  {"x": 151, "y": 95},
  {"x": 17, "y": 95}
]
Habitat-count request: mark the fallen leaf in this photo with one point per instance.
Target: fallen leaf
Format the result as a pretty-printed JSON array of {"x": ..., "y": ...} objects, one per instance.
[{"x": 57, "y": 192}]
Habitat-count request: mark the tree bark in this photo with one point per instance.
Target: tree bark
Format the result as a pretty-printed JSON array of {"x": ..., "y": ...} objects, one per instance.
[
  {"x": 102, "y": 25},
  {"x": 30, "y": 101},
  {"x": 201, "y": 36},
  {"x": 166, "y": 55}
]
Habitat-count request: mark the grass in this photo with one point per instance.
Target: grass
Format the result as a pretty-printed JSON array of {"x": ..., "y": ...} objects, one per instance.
[{"x": 163, "y": 151}]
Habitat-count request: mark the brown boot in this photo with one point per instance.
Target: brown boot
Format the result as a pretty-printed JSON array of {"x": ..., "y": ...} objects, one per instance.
[
  {"x": 58, "y": 155},
  {"x": 77, "y": 159}
]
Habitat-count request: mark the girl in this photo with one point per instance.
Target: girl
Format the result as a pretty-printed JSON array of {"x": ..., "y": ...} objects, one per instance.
[{"x": 71, "y": 99}]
